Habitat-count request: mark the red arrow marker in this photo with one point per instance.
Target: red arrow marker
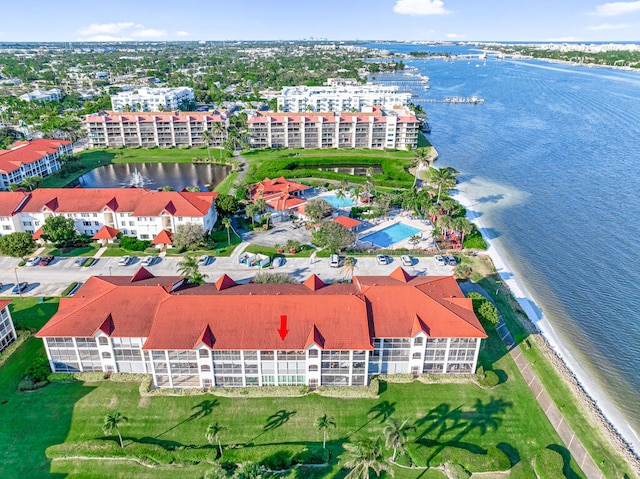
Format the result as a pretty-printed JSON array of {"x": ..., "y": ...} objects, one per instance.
[{"x": 283, "y": 327}]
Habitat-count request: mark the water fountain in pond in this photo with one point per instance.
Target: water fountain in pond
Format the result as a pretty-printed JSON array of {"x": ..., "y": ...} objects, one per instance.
[{"x": 136, "y": 179}]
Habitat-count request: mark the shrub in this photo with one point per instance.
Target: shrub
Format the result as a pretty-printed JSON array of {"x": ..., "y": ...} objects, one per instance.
[
  {"x": 278, "y": 461},
  {"x": 312, "y": 456},
  {"x": 549, "y": 464},
  {"x": 69, "y": 288},
  {"x": 134, "y": 244},
  {"x": 485, "y": 311},
  {"x": 456, "y": 471},
  {"x": 490, "y": 380},
  {"x": 28, "y": 384},
  {"x": 39, "y": 369}
]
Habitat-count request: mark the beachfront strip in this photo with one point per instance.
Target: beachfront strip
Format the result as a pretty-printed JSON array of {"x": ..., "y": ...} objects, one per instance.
[
  {"x": 104, "y": 212},
  {"x": 370, "y": 128},
  {"x": 39, "y": 157},
  {"x": 235, "y": 335}
]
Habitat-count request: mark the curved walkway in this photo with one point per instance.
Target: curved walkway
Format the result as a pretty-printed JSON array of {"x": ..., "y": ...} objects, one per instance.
[{"x": 573, "y": 444}]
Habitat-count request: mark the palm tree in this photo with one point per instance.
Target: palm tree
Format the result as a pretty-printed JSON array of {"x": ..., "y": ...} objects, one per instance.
[
  {"x": 189, "y": 268},
  {"x": 166, "y": 188},
  {"x": 226, "y": 222},
  {"x": 444, "y": 223},
  {"x": 213, "y": 434},
  {"x": 261, "y": 205},
  {"x": 443, "y": 179},
  {"x": 396, "y": 434},
  {"x": 420, "y": 155},
  {"x": 363, "y": 455},
  {"x": 218, "y": 129},
  {"x": 463, "y": 225},
  {"x": 323, "y": 423},
  {"x": 267, "y": 217},
  {"x": 193, "y": 189},
  {"x": 113, "y": 421},
  {"x": 206, "y": 139},
  {"x": 341, "y": 195},
  {"x": 348, "y": 266},
  {"x": 251, "y": 210},
  {"x": 414, "y": 240}
]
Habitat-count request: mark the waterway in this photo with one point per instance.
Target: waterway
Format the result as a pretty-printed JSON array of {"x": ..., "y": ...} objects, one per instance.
[
  {"x": 550, "y": 164},
  {"x": 155, "y": 175}
]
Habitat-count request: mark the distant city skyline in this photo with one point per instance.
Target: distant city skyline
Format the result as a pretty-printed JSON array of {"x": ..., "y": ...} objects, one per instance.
[{"x": 419, "y": 20}]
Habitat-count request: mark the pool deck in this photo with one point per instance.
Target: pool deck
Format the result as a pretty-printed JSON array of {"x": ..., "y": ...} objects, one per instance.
[{"x": 426, "y": 231}]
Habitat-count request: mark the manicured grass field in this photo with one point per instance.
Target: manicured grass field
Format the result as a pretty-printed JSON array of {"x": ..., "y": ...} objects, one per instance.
[
  {"x": 304, "y": 163},
  {"x": 483, "y": 429}
]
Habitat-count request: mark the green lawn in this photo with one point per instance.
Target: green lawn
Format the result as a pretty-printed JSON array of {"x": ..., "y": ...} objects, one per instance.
[
  {"x": 304, "y": 252},
  {"x": 304, "y": 163},
  {"x": 90, "y": 250},
  {"x": 225, "y": 185}
]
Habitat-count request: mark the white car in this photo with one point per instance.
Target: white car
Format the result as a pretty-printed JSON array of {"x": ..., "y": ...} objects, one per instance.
[
  {"x": 334, "y": 261},
  {"x": 203, "y": 260},
  {"x": 406, "y": 260},
  {"x": 381, "y": 259},
  {"x": 440, "y": 261},
  {"x": 124, "y": 261},
  {"x": 148, "y": 260},
  {"x": 35, "y": 261}
]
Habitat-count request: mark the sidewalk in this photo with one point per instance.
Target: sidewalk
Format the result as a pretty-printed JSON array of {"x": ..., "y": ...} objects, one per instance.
[{"x": 573, "y": 444}]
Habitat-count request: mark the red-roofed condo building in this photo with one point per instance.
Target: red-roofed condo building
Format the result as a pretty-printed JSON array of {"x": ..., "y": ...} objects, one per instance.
[
  {"x": 135, "y": 212},
  {"x": 115, "y": 129},
  {"x": 370, "y": 128},
  {"x": 31, "y": 158},
  {"x": 227, "y": 334},
  {"x": 7, "y": 330}
]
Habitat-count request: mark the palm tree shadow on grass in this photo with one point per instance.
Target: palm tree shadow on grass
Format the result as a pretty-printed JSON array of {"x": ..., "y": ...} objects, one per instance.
[
  {"x": 382, "y": 411},
  {"x": 203, "y": 409},
  {"x": 447, "y": 421},
  {"x": 274, "y": 421}
]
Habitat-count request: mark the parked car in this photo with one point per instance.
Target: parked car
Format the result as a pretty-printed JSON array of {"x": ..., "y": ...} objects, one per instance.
[
  {"x": 124, "y": 261},
  {"x": 20, "y": 287},
  {"x": 148, "y": 260},
  {"x": 34, "y": 261},
  {"x": 451, "y": 260},
  {"x": 203, "y": 260},
  {"x": 406, "y": 260},
  {"x": 382, "y": 259},
  {"x": 80, "y": 261},
  {"x": 440, "y": 261},
  {"x": 334, "y": 261},
  {"x": 46, "y": 260}
]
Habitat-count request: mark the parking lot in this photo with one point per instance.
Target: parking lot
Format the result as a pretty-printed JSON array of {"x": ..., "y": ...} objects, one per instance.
[{"x": 51, "y": 280}]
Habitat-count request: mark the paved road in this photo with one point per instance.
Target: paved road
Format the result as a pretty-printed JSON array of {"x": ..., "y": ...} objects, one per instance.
[{"x": 53, "y": 279}]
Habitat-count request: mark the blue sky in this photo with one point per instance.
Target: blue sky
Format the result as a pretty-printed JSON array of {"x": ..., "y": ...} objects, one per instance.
[{"x": 501, "y": 20}]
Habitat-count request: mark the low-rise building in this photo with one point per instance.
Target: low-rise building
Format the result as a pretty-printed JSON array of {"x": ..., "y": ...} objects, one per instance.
[
  {"x": 371, "y": 128},
  {"x": 340, "y": 97},
  {"x": 31, "y": 158},
  {"x": 55, "y": 94},
  {"x": 282, "y": 197},
  {"x": 238, "y": 335},
  {"x": 113, "y": 129},
  {"x": 136, "y": 212},
  {"x": 152, "y": 99},
  {"x": 7, "y": 330}
]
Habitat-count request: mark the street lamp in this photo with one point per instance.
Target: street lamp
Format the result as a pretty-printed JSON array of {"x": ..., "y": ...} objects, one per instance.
[{"x": 15, "y": 270}]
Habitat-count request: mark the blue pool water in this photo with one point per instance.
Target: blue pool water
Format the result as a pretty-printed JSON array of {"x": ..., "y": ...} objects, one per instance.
[
  {"x": 337, "y": 202},
  {"x": 390, "y": 235}
]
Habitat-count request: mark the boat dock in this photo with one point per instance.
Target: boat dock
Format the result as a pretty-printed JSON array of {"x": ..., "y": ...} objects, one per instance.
[{"x": 471, "y": 100}]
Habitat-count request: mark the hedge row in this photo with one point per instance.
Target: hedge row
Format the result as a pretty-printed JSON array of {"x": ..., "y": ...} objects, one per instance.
[{"x": 22, "y": 336}]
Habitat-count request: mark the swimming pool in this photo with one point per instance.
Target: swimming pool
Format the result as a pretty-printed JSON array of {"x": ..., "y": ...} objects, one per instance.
[
  {"x": 390, "y": 235},
  {"x": 336, "y": 202}
]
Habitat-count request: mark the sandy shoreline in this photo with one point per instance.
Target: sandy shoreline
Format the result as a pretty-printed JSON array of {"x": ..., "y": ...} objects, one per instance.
[{"x": 596, "y": 403}]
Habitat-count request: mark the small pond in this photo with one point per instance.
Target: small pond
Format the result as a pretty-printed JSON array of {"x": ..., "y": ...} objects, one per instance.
[{"x": 155, "y": 176}]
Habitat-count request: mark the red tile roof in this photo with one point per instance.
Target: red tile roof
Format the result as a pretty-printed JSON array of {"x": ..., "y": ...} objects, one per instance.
[
  {"x": 164, "y": 237},
  {"x": 267, "y": 187},
  {"x": 4, "y": 303},
  {"x": 346, "y": 221},
  {"x": 158, "y": 116},
  {"x": 228, "y": 316},
  {"x": 28, "y": 152},
  {"x": 38, "y": 234},
  {"x": 106, "y": 232},
  {"x": 138, "y": 201},
  {"x": 10, "y": 202}
]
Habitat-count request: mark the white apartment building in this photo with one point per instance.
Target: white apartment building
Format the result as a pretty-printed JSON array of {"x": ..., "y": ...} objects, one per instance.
[
  {"x": 31, "y": 158},
  {"x": 371, "y": 128},
  {"x": 341, "y": 97},
  {"x": 7, "y": 330},
  {"x": 55, "y": 94},
  {"x": 151, "y": 99},
  {"x": 135, "y": 212},
  {"x": 336, "y": 334},
  {"x": 114, "y": 129}
]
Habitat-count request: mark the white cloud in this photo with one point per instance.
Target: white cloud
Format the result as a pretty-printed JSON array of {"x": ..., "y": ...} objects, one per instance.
[
  {"x": 608, "y": 26},
  {"x": 616, "y": 8},
  {"x": 455, "y": 36},
  {"x": 119, "y": 32},
  {"x": 182, "y": 34},
  {"x": 420, "y": 7}
]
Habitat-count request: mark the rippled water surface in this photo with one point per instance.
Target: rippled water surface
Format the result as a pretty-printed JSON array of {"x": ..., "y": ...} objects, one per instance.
[{"x": 551, "y": 160}]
